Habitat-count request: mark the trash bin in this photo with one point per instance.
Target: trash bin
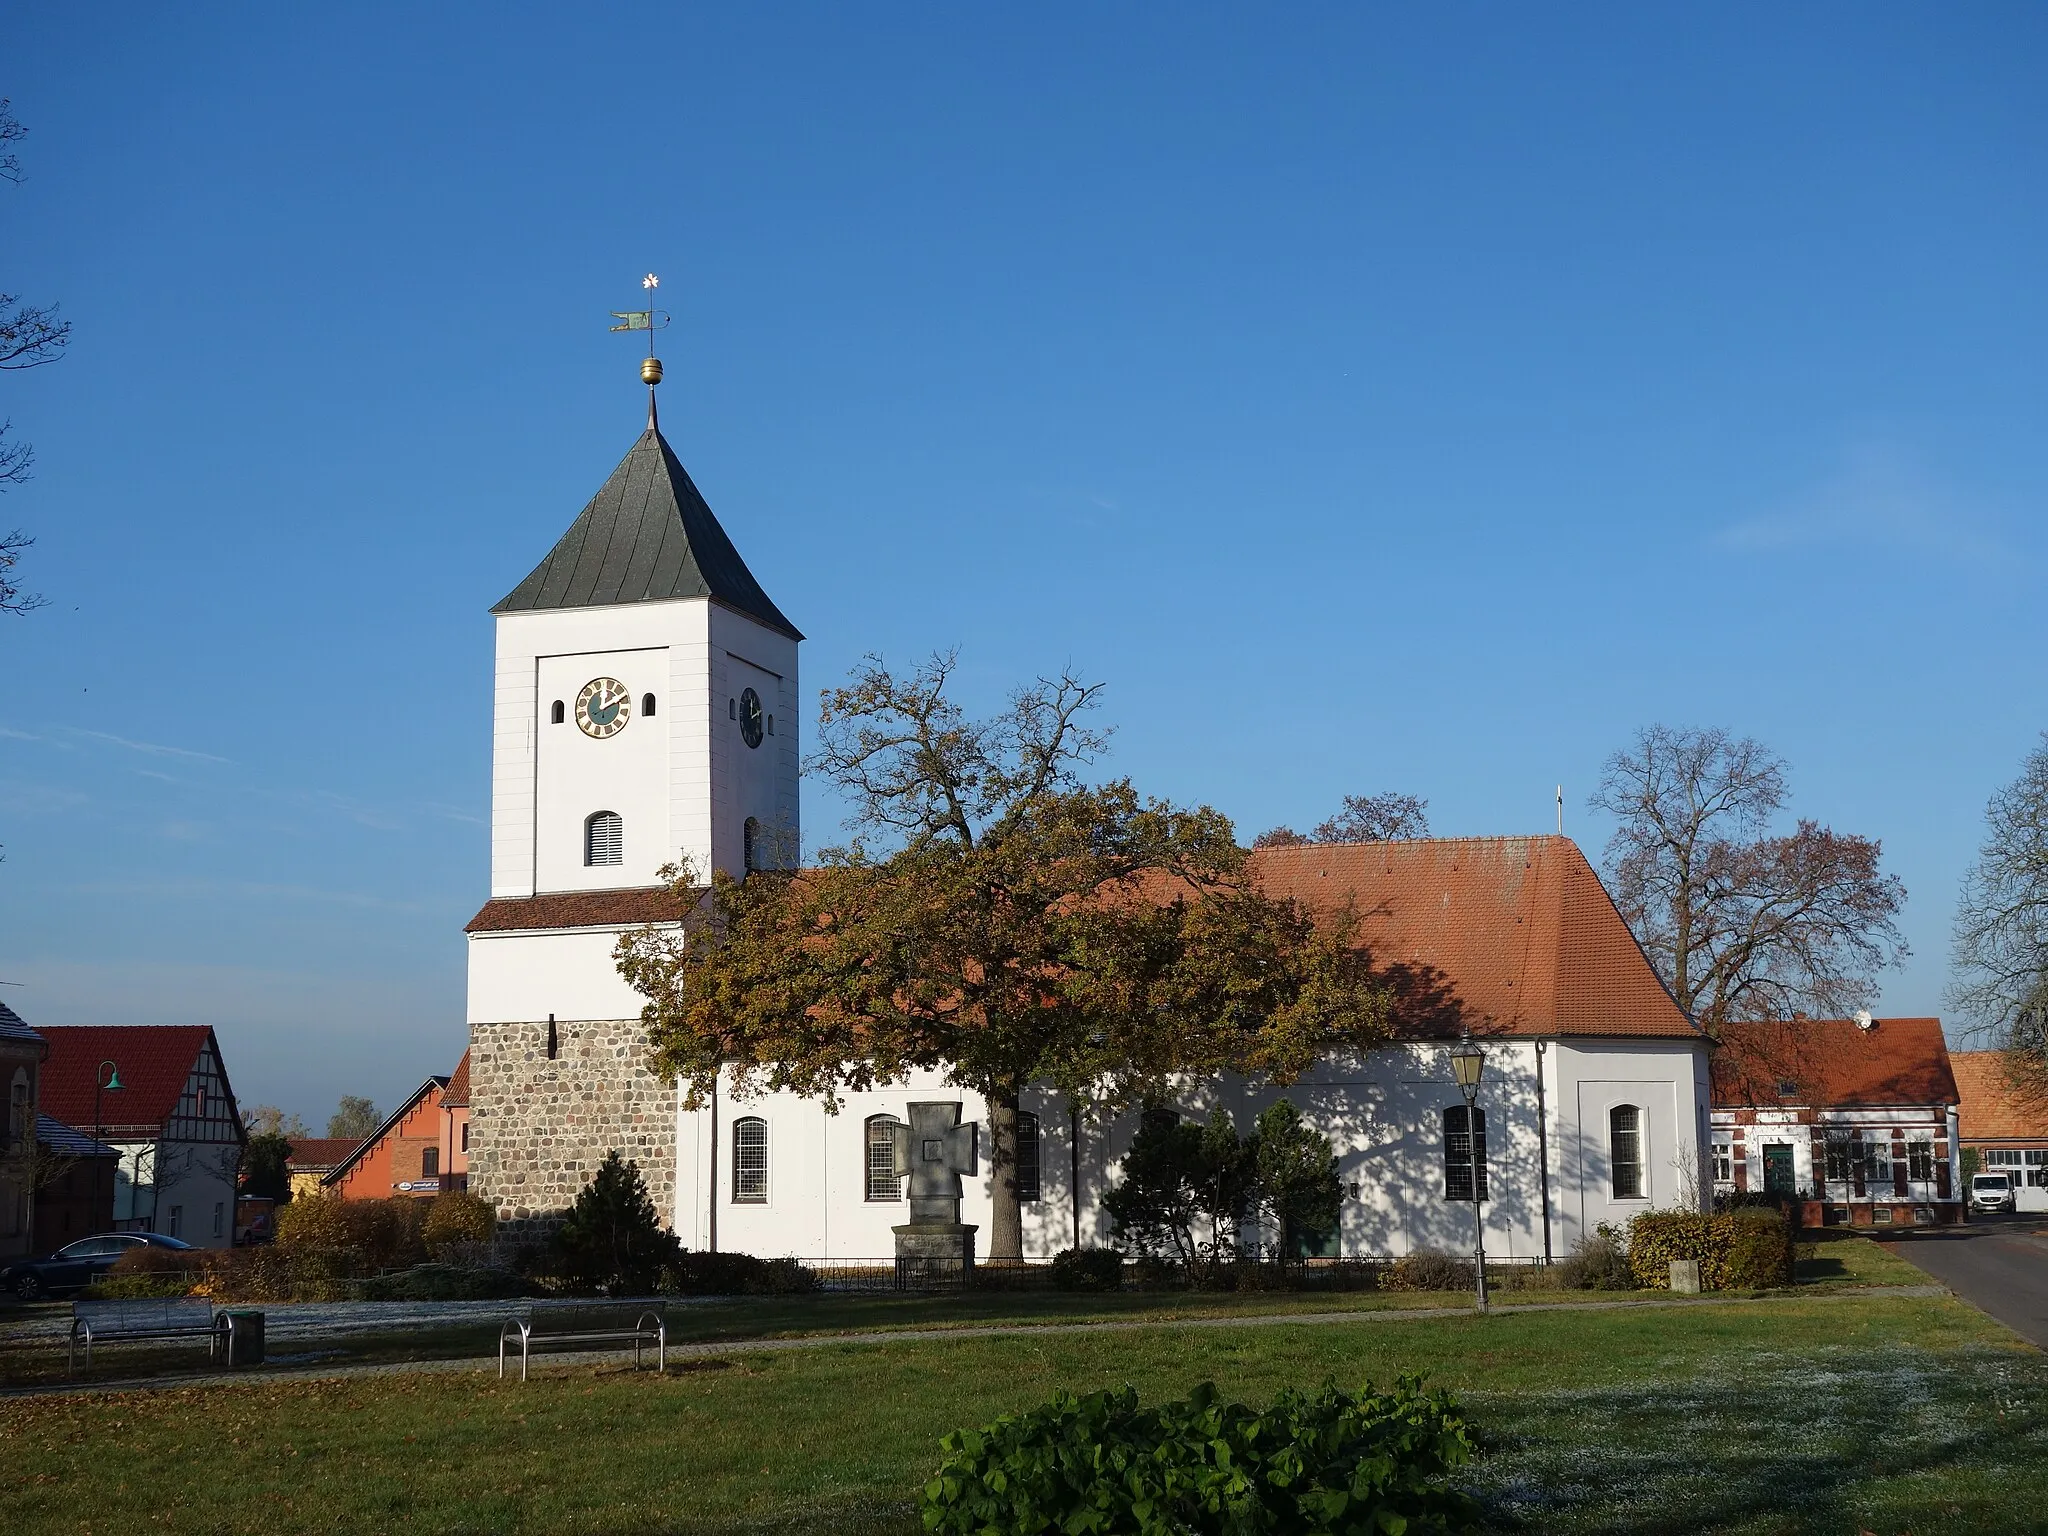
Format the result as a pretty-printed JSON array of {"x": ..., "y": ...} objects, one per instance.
[{"x": 245, "y": 1339}]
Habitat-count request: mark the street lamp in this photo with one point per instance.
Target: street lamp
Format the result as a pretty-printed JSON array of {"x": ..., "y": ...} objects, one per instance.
[
  {"x": 1468, "y": 1064},
  {"x": 106, "y": 1079}
]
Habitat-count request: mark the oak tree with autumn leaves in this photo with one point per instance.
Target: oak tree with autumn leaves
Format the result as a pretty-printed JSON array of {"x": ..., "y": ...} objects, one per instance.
[{"x": 1002, "y": 919}]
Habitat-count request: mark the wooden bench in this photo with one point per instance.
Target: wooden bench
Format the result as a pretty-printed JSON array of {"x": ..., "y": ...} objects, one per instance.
[
  {"x": 181, "y": 1317},
  {"x": 579, "y": 1325}
]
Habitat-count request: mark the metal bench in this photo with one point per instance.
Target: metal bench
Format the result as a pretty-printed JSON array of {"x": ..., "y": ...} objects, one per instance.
[
  {"x": 584, "y": 1324},
  {"x": 182, "y": 1317}
]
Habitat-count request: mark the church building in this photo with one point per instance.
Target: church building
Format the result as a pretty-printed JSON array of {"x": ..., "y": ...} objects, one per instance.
[{"x": 647, "y": 713}]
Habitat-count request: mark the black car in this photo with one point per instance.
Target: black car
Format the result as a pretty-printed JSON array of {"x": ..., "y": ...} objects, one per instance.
[{"x": 76, "y": 1265}]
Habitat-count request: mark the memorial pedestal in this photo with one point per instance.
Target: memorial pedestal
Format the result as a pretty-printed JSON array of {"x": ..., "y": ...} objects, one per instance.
[{"x": 934, "y": 1256}]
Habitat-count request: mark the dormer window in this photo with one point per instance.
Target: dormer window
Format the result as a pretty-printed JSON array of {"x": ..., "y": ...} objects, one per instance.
[
  {"x": 1787, "y": 1089},
  {"x": 557, "y": 714},
  {"x": 604, "y": 839}
]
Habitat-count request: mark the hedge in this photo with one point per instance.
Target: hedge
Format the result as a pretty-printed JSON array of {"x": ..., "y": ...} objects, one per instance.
[
  {"x": 1327, "y": 1463},
  {"x": 1747, "y": 1249}
]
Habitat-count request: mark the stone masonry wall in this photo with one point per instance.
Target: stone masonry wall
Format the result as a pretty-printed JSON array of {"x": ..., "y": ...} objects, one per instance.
[{"x": 540, "y": 1127}]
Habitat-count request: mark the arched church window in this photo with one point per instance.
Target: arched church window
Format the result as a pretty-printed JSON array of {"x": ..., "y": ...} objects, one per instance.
[
  {"x": 604, "y": 839},
  {"x": 647, "y": 706},
  {"x": 1027, "y": 1180},
  {"x": 1625, "y": 1150},
  {"x": 1464, "y": 1153},
  {"x": 750, "y": 1160},
  {"x": 883, "y": 1182},
  {"x": 750, "y": 841},
  {"x": 557, "y": 714}
]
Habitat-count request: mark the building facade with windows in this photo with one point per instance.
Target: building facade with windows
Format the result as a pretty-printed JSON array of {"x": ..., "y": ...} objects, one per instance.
[
  {"x": 172, "y": 1119},
  {"x": 645, "y": 720},
  {"x": 1855, "y": 1118},
  {"x": 403, "y": 1156},
  {"x": 21, "y": 1063},
  {"x": 2003, "y": 1124}
]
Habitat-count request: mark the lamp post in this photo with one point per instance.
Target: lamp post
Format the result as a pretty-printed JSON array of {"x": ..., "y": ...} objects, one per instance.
[
  {"x": 106, "y": 1078},
  {"x": 1468, "y": 1064}
]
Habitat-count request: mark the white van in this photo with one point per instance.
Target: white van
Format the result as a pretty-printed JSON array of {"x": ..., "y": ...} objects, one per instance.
[{"x": 1991, "y": 1192}]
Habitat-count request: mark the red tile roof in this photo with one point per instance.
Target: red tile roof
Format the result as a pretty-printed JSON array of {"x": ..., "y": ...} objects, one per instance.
[
  {"x": 316, "y": 1154},
  {"x": 1833, "y": 1063},
  {"x": 1995, "y": 1107},
  {"x": 154, "y": 1061},
  {"x": 456, "y": 1094},
  {"x": 1504, "y": 935},
  {"x": 578, "y": 909}
]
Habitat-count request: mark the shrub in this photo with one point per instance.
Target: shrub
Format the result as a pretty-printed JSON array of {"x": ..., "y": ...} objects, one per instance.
[
  {"x": 1427, "y": 1270},
  {"x": 1315, "y": 1462},
  {"x": 445, "y": 1282},
  {"x": 1599, "y": 1262},
  {"x": 458, "y": 1226},
  {"x": 1088, "y": 1269},
  {"x": 611, "y": 1239},
  {"x": 735, "y": 1274},
  {"x": 151, "y": 1271},
  {"x": 342, "y": 1238},
  {"x": 1737, "y": 1250}
]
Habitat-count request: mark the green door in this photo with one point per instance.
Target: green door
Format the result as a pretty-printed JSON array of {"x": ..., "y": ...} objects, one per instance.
[{"x": 1778, "y": 1177}]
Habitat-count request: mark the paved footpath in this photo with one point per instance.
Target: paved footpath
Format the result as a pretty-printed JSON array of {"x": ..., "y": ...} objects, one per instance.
[
  {"x": 1999, "y": 1265},
  {"x": 728, "y": 1347}
]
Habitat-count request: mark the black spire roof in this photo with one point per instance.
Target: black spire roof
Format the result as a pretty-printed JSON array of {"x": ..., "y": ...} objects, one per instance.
[{"x": 646, "y": 536}]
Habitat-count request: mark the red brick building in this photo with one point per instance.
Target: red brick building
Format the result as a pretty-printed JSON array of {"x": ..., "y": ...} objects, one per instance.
[
  {"x": 2005, "y": 1123},
  {"x": 1856, "y": 1118}
]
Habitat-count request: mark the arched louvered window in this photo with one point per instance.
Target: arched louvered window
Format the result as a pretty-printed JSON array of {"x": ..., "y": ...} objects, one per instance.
[
  {"x": 750, "y": 1160},
  {"x": 883, "y": 1182},
  {"x": 604, "y": 839},
  {"x": 557, "y": 714},
  {"x": 750, "y": 836},
  {"x": 1464, "y": 1153},
  {"x": 647, "y": 706},
  {"x": 1027, "y": 1157},
  {"x": 1625, "y": 1150}
]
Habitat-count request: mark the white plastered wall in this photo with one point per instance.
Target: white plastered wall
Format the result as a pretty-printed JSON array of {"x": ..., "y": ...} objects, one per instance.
[{"x": 1382, "y": 1112}]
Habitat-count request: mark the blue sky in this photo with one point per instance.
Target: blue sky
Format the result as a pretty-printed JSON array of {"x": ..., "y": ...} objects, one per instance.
[{"x": 1417, "y": 398}]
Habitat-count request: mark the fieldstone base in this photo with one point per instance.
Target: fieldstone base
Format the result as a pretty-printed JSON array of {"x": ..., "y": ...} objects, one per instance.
[
  {"x": 934, "y": 1255},
  {"x": 539, "y": 1126}
]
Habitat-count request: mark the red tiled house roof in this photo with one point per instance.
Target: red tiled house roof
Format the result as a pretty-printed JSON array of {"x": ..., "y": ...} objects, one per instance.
[
  {"x": 154, "y": 1061},
  {"x": 1993, "y": 1106},
  {"x": 316, "y": 1154},
  {"x": 1502, "y": 935},
  {"x": 577, "y": 909},
  {"x": 456, "y": 1094},
  {"x": 1833, "y": 1064}
]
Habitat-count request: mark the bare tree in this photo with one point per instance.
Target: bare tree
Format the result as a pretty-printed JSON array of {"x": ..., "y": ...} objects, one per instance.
[
  {"x": 1999, "y": 976},
  {"x": 1383, "y": 818},
  {"x": 1742, "y": 924},
  {"x": 30, "y": 336}
]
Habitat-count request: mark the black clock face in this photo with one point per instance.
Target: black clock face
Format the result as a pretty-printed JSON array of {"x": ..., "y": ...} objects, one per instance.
[{"x": 750, "y": 718}]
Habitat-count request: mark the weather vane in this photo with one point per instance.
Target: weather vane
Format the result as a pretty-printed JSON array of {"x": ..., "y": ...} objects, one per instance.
[{"x": 649, "y": 320}]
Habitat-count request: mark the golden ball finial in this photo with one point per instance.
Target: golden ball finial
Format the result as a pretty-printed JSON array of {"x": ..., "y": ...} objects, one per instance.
[{"x": 650, "y": 371}]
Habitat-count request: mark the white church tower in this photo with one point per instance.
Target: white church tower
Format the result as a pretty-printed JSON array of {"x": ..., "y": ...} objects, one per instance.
[{"x": 645, "y": 714}]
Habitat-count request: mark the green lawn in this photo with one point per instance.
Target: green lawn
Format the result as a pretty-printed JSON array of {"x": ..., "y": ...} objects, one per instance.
[
  {"x": 1832, "y": 1256},
  {"x": 1877, "y": 1413}
]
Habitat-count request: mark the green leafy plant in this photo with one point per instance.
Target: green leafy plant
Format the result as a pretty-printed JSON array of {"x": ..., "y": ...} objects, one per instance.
[
  {"x": 1747, "y": 1249},
  {"x": 611, "y": 1240},
  {"x": 1427, "y": 1270},
  {"x": 445, "y": 1282},
  {"x": 1088, "y": 1269},
  {"x": 1324, "y": 1463},
  {"x": 264, "y": 1170},
  {"x": 736, "y": 1274},
  {"x": 458, "y": 1226},
  {"x": 1293, "y": 1180},
  {"x": 348, "y": 1238},
  {"x": 1599, "y": 1262}
]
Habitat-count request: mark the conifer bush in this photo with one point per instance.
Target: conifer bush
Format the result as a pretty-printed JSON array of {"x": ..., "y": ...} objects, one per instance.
[
  {"x": 1324, "y": 1463},
  {"x": 612, "y": 1240}
]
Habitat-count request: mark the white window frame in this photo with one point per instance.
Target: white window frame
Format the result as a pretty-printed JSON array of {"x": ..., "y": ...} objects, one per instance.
[
  {"x": 1638, "y": 1166},
  {"x": 880, "y": 1183},
  {"x": 749, "y": 1184},
  {"x": 1724, "y": 1159}
]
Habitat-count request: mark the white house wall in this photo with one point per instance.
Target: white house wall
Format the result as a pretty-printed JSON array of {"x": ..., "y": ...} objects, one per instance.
[
  {"x": 519, "y": 977},
  {"x": 1382, "y": 1113}
]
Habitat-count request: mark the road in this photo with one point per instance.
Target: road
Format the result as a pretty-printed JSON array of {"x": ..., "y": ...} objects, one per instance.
[{"x": 1999, "y": 1264}]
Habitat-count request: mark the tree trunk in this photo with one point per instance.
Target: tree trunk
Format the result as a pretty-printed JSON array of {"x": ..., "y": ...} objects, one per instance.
[{"x": 1006, "y": 1216}]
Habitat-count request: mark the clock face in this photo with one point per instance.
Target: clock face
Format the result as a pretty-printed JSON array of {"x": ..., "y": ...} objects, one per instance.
[
  {"x": 750, "y": 718},
  {"x": 603, "y": 707}
]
